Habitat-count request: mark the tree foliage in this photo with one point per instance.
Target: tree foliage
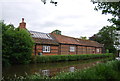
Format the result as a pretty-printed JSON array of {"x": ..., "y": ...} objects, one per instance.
[
  {"x": 17, "y": 45},
  {"x": 51, "y": 1},
  {"x": 110, "y": 8},
  {"x": 83, "y": 37},
  {"x": 56, "y": 32},
  {"x": 107, "y": 36}
]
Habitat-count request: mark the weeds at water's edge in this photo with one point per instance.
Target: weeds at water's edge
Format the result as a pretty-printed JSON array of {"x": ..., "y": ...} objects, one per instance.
[{"x": 109, "y": 70}]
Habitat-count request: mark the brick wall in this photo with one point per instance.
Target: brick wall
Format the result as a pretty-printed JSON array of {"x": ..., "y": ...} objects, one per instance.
[
  {"x": 93, "y": 50},
  {"x": 64, "y": 49},
  {"x": 53, "y": 50},
  {"x": 79, "y": 49},
  {"x": 84, "y": 50},
  {"x": 90, "y": 50}
]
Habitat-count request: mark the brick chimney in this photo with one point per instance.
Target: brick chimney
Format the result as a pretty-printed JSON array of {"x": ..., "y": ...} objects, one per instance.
[{"x": 22, "y": 24}]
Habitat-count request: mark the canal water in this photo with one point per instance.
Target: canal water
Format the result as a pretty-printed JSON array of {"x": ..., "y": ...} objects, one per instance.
[{"x": 48, "y": 69}]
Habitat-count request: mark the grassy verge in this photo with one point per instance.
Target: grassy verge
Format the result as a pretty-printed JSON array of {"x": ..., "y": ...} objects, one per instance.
[
  {"x": 106, "y": 71},
  {"x": 58, "y": 58}
]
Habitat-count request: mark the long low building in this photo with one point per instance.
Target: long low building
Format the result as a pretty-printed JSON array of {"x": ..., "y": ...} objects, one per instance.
[{"x": 56, "y": 44}]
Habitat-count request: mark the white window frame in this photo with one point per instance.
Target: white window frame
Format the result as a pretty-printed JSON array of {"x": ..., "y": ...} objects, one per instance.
[
  {"x": 72, "y": 49},
  {"x": 98, "y": 50},
  {"x": 46, "y": 49}
]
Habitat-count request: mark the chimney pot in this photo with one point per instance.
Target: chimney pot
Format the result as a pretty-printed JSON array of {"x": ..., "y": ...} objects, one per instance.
[
  {"x": 22, "y": 19},
  {"x": 22, "y": 24}
]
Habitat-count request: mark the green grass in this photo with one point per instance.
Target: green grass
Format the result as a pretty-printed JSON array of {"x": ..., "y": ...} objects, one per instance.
[{"x": 106, "y": 71}]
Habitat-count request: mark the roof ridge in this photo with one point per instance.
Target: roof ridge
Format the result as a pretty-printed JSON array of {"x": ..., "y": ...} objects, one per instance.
[
  {"x": 64, "y": 35},
  {"x": 86, "y": 40},
  {"x": 38, "y": 32}
]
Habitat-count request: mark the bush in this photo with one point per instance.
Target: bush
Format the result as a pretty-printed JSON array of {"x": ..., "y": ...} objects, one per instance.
[{"x": 17, "y": 45}]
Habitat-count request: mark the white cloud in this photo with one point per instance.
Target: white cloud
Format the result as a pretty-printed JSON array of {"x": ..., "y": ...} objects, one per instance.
[{"x": 73, "y": 17}]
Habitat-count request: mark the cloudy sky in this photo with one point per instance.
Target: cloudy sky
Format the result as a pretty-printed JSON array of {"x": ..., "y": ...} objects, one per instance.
[{"x": 74, "y": 18}]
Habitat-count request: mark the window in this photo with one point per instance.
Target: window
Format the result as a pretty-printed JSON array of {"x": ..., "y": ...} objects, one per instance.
[
  {"x": 46, "y": 48},
  {"x": 98, "y": 50},
  {"x": 72, "y": 49}
]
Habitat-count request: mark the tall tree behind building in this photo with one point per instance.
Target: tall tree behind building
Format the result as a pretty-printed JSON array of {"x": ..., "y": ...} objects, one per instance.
[
  {"x": 111, "y": 8},
  {"x": 107, "y": 36},
  {"x": 83, "y": 37},
  {"x": 56, "y": 32}
]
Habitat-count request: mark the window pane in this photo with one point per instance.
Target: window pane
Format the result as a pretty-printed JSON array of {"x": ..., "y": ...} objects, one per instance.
[
  {"x": 72, "y": 49},
  {"x": 98, "y": 50},
  {"x": 46, "y": 48},
  {"x": 43, "y": 48}
]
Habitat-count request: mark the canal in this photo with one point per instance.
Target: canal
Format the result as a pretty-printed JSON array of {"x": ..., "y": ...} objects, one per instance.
[{"x": 48, "y": 69}]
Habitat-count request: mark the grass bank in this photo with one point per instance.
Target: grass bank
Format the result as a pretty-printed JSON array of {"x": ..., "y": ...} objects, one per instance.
[
  {"x": 58, "y": 58},
  {"x": 106, "y": 71}
]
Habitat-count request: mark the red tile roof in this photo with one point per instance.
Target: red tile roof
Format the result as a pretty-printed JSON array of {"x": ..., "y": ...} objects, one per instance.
[
  {"x": 89, "y": 43},
  {"x": 65, "y": 39},
  {"x": 55, "y": 39},
  {"x": 45, "y": 41},
  {"x": 71, "y": 40}
]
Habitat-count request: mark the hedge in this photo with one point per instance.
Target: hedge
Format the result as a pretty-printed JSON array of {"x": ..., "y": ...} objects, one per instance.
[{"x": 59, "y": 58}]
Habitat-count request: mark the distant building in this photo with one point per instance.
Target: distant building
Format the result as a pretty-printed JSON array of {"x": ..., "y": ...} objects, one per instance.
[{"x": 57, "y": 44}]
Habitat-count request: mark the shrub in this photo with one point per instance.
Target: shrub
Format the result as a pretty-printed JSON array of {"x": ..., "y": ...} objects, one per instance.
[{"x": 17, "y": 45}]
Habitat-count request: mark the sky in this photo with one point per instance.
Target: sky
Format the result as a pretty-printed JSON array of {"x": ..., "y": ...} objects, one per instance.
[{"x": 74, "y": 18}]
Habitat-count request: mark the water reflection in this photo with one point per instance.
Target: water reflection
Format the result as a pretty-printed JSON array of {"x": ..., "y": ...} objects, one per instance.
[
  {"x": 72, "y": 69},
  {"x": 47, "y": 69},
  {"x": 45, "y": 72}
]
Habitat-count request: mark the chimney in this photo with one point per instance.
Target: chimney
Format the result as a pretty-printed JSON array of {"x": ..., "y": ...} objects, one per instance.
[{"x": 22, "y": 24}]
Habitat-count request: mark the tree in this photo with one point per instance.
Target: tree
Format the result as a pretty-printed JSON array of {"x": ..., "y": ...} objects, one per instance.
[
  {"x": 110, "y": 8},
  {"x": 84, "y": 38},
  {"x": 107, "y": 36},
  {"x": 51, "y": 1},
  {"x": 17, "y": 45},
  {"x": 56, "y": 32}
]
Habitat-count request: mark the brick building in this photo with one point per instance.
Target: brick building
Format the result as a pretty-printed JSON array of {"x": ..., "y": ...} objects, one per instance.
[{"x": 55, "y": 44}]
